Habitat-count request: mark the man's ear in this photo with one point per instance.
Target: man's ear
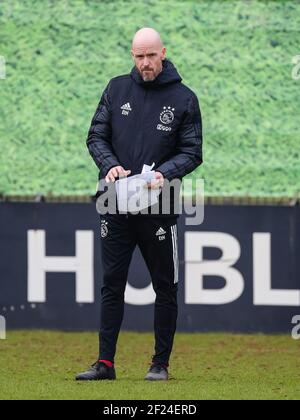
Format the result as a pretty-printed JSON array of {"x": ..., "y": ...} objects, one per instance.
[{"x": 163, "y": 51}]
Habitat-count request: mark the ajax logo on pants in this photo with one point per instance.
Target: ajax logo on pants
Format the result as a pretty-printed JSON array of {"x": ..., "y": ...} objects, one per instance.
[{"x": 104, "y": 228}]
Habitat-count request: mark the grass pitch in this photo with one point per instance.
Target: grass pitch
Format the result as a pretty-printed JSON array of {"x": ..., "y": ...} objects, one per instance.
[
  {"x": 42, "y": 365},
  {"x": 238, "y": 56}
]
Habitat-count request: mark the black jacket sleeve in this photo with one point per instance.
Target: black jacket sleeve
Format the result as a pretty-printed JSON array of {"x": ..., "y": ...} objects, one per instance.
[
  {"x": 99, "y": 136},
  {"x": 188, "y": 151}
]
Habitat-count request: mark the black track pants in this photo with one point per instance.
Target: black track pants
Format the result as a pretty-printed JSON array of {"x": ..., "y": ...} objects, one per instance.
[{"x": 157, "y": 240}]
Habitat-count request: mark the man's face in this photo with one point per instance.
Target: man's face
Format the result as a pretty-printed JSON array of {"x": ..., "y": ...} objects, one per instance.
[{"x": 148, "y": 61}]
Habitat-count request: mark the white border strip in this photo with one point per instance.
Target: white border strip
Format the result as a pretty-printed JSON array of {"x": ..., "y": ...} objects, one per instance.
[{"x": 175, "y": 252}]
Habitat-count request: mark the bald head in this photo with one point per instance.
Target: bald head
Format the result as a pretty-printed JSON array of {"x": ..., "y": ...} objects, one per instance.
[
  {"x": 147, "y": 36},
  {"x": 148, "y": 53}
]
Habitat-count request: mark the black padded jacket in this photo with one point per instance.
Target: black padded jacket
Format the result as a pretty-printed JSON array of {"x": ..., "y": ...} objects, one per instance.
[{"x": 139, "y": 122}]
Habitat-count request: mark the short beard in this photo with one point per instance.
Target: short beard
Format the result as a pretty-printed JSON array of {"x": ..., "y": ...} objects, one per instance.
[{"x": 148, "y": 78}]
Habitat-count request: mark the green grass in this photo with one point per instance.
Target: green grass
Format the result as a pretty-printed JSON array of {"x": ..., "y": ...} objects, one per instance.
[
  {"x": 42, "y": 365},
  {"x": 236, "y": 55}
]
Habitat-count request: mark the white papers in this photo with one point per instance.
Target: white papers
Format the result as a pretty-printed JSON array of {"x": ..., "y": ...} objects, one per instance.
[
  {"x": 147, "y": 168},
  {"x": 132, "y": 192}
]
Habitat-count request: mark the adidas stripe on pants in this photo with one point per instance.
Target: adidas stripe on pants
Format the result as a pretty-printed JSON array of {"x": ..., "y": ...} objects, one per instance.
[{"x": 157, "y": 240}]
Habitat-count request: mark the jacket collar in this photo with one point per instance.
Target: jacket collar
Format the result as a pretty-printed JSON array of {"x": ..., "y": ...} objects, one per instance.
[{"x": 167, "y": 76}]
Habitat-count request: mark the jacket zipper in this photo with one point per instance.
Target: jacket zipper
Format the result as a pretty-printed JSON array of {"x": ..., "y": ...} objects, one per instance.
[{"x": 140, "y": 125}]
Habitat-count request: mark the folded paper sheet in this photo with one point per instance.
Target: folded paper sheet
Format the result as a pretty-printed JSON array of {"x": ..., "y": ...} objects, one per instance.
[{"x": 132, "y": 192}]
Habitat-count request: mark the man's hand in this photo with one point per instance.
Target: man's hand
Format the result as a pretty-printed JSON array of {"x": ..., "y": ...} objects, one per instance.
[
  {"x": 115, "y": 172},
  {"x": 157, "y": 183}
]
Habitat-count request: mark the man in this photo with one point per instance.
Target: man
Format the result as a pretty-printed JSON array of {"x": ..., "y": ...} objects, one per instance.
[{"x": 144, "y": 117}]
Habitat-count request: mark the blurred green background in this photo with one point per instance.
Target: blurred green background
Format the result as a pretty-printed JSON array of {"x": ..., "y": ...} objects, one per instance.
[{"x": 236, "y": 55}]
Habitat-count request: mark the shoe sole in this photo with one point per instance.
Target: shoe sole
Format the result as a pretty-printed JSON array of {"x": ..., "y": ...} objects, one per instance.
[
  {"x": 99, "y": 379},
  {"x": 155, "y": 379},
  {"x": 96, "y": 379}
]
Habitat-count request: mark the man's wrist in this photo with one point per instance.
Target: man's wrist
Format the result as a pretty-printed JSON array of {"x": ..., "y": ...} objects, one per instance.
[{"x": 157, "y": 170}]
